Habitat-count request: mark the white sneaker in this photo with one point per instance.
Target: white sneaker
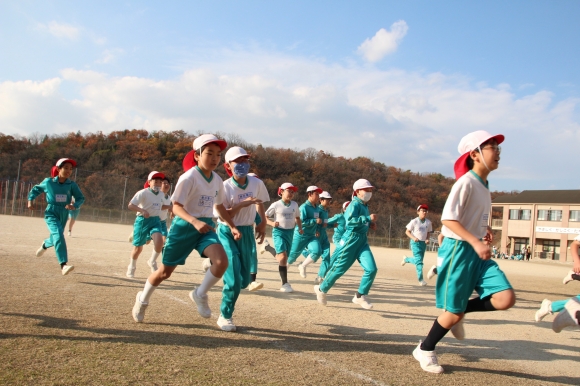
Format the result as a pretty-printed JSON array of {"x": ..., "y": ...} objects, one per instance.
[
  {"x": 545, "y": 309},
  {"x": 226, "y": 324},
  {"x": 567, "y": 278},
  {"x": 286, "y": 288},
  {"x": 263, "y": 246},
  {"x": 302, "y": 270},
  {"x": 131, "y": 238},
  {"x": 152, "y": 264},
  {"x": 364, "y": 303},
  {"x": 431, "y": 272},
  {"x": 205, "y": 264},
  {"x": 320, "y": 296},
  {"x": 427, "y": 359},
  {"x": 422, "y": 283},
  {"x": 254, "y": 286},
  {"x": 201, "y": 303},
  {"x": 131, "y": 271},
  {"x": 40, "y": 251},
  {"x": 66, "y": 269},
  {"x": 403, "y": 262},
  {"x": 139, "y": 308},
  {"x": 69, "y": 233},
  {"x": 458, "y": 330},
  {"x": 567, "y": 317}
]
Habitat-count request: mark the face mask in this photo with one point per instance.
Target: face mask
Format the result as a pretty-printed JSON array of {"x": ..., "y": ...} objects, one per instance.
[
  {"x": 156, "y": 189},
  {"x": 242, "y": 169},
  {"x": 367, "y": 196}
]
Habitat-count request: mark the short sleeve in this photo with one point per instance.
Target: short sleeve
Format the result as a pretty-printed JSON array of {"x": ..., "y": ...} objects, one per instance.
[
  {"x": 137, "y": 198},
  {"x": 456, "y": 201},
  {"x": 221, "y": 196},
  {"x": 430, "y": 227},
  {"x": 271, "y": 211},
  {"x": 262, "y": 194},
  {"x": 182, "y": 190},
  {"x": 410, "y": 225}
]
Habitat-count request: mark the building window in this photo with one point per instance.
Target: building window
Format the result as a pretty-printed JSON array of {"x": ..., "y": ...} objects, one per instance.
[
  {"x": 520, "y": 244},
  {"x": 575, "y": 215},
  {"x": 549, "y": 215},
  {"x": 520, "y": 214},
  {"x": 551, "y": 246}
]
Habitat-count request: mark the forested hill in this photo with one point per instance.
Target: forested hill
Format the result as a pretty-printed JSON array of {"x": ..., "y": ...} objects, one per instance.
[{"x": 134, "y": 153}]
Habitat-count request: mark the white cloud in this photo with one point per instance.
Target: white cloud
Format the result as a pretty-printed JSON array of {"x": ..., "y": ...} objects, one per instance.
[
  {"x": 110, "y": 55},
  {"x": 61, "y": 30},
  {"x": 384, "y": 42},
  {"x": 405, "y": 119}
]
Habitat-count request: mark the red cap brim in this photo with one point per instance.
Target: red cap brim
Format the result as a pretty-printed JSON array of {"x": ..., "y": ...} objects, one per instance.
[{"x": 188, "y": 161}]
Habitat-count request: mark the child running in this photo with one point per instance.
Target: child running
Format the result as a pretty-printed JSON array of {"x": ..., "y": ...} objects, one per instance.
[
  {"x": 338, "y": 223},
  {"x": 466, "y": 262},
  {"x": 418, "y": 231},
  {"x": 574, "y": 274},
  {"x": 244, "y": 197},
  {"x": 354, "y": 246},
  {"x": 148, "y": 203},
  {"x": 283, "y": 216},
  {"x": 310, "y": 218},
  {"x": 325, "y": 199},
  {"x": 569, "y": 317},
  {"x": 72, "y": 217},
  {"x": 198, "y": 192},
  {"x": 549, "y": 307},
  {"x": 59, "y": 191}
]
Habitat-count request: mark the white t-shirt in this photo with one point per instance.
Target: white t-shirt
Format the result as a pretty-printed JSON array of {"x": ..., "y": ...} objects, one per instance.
[
  {"x": 284, "y": 215},
  {"x": 577, "y": 238},
  {"x": 234, "y": 194},
  {"x": 469, "y": 203},
  {"x": 166, "y": 201},
  {"x": 151, "y": 202},
  {"x": 420, "y": 229},
  {"x": 198, "y": 195}
]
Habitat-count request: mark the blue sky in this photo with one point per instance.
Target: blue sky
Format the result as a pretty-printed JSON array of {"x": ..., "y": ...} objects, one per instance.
[{"x": 400, "y": 82}]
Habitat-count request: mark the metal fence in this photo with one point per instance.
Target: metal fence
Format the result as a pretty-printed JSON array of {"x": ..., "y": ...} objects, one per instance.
[{"x": 14, "y": 201}]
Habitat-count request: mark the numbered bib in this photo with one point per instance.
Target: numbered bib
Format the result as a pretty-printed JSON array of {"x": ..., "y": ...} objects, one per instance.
[
  {"x": 316, "y": 215},
  {"x": 60, "y": 197}
]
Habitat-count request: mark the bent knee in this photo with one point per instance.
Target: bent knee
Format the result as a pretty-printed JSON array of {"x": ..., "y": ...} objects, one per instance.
[{"x": 504, "y": 300}]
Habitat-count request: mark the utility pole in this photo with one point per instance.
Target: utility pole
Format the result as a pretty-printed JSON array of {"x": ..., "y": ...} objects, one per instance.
[
  {"x": 16, "y": 187},
  {"x": 123, "y": 203}
]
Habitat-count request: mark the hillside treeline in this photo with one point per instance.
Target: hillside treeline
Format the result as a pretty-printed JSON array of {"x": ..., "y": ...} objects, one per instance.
[{"x": 114, "y": 165}]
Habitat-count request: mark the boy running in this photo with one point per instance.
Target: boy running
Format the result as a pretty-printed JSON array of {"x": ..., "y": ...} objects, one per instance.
[
  {"x": 466, "y": 262},
  {"x": 325, "y": 199},
  {"x": 418, "y": 231},
  {"x": 244, "y": 197}
]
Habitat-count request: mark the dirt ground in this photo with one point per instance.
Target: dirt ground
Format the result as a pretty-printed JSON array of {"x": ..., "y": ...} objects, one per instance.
[{"x": 78, "y": 329}]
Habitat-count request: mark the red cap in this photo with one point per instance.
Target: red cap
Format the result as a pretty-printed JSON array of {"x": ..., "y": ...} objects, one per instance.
[
  {"x": 64, "y": 160},
  {"x": 422, "y": 206},
  {"x": 152, "y": 176},
  {"x": 469, "y": 143},
  {"x": 189, "y": 161}
]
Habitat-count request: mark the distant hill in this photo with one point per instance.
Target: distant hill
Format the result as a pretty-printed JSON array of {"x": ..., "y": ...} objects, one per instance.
[{"x": 107, "y": 161}]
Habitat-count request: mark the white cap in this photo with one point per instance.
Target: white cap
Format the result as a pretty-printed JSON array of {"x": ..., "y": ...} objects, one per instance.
[
  {"x": 325, "y": 194},
  {"x": 314, "y": 189},
  {"x": 155, "y": 174},
  {"x": 472, "y": 140},
  {"x": 204, "y": 139},
  {"x": 253, "y": 175},
  {"x": 234, "y": 153},
  {"x": 361, "y": 184},
  {"x": 63, "y": 160},
  {"x": 288, "y": 185}
]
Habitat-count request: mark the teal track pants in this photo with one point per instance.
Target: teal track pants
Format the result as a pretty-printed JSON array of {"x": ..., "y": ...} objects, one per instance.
[
  {"x": 558, "y": 305},
  {"x": 237, "y": 276},
  {"x": 304, "y": 241},
  {"x": 325, "y": 261},
  {"x": 56, "y": 218},
  {"x": 352, "y": 247},
  {"x": 418, "y": 249}
]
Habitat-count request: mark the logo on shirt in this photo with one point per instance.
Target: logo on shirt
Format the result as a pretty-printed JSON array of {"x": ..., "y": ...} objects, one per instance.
[
  {"x": 205, "y": 201},
  {"x": 243, "y": 196},
  {"x": 484, "y": 220}
]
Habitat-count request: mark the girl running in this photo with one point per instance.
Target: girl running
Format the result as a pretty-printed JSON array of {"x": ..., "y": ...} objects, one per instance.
[
  {"x": 59, "y": 190},
  {"x": 354, "y": 246},
  {"x": 198, "y": 192},
  {"x": 325, "y": 199},
  {"x": 418, "y": 231},
  {"x": 286, "y": 215},
  {"x": 244, "y": 197}
]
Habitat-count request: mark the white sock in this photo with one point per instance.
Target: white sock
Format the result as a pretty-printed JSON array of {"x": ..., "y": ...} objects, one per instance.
[
  {"x": 133, "y": 263},
  {"x": 154, "y": 255},
  {"x": 307, "y": 262},
  {"x": 209, "y": 280},
  {"x": 147, "y": 292}
]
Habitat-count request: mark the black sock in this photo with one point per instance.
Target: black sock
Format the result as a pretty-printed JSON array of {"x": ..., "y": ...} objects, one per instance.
[
  {"x": 578, "y": 316},
  {"x": 358, "y": 294},
  {"x": 283, "y": 274},
  {"x": 479, "y": 305},
  {"x": 435, "y": 270},
  {"x": 435, "y": 335},
  {"x": 43, "y": 246},
  {"x": 253, "y": 275},
  {"x": 62, "y": 265},
  {"x": 575, "y": 276}
]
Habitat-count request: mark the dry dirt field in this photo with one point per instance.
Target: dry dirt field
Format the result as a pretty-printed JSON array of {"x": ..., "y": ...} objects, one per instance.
[{"x": 78, "y": 329}]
